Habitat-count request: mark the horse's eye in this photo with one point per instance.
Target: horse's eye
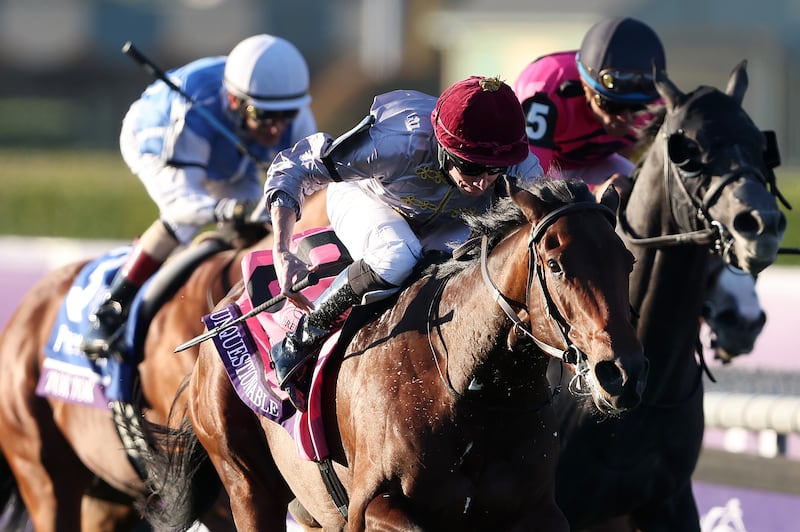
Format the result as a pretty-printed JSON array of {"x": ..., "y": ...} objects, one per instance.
[
  {"x": 554, "y": 266},
  {"x": 685, "y": 152}
]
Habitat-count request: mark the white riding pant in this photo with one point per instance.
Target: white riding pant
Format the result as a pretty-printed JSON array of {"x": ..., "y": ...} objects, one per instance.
[{"x": 376, "y": 233}]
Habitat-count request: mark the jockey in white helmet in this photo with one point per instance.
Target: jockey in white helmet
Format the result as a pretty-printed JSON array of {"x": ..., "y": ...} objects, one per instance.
[{"x": 181, "y": 150}]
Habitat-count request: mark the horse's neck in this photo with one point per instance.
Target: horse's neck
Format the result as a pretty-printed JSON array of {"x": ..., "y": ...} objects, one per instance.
[
  {"x": 476, "y": 338},
  {"x": 667, "y": 288},
  {"x": 647, "y": 211}
]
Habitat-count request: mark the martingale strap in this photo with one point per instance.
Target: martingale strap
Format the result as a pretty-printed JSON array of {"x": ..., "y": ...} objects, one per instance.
[{"x": 334, "y": 486}]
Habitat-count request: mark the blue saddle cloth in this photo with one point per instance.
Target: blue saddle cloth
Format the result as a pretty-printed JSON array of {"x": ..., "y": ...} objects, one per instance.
[{"x": 67, "y": 374}]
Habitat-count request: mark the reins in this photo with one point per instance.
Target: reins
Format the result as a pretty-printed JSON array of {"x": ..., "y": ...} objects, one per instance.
[{"x": 570, "y": 354}]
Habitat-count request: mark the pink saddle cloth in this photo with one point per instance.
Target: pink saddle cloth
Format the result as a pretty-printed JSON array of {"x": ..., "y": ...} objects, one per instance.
[{"x": 244, "y": 348}]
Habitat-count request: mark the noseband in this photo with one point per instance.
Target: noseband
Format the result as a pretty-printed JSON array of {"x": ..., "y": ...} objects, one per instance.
[{"x": 712, "y": 233}]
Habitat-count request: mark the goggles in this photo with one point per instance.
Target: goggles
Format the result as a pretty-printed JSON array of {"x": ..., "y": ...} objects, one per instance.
[
  {"x": 473, "y": 169},
  {"x": 623, "y": 86},
  {"x": 617, "y": 108},
  {"x": 626, "y": 82},
  {"x": 268, "y": 117}
]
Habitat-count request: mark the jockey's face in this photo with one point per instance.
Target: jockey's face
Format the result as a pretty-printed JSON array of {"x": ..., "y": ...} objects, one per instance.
[
  {"x": 617, "y": 119},
  {"x": 471, "y": 178},
  {"x": 265, "y": 127},
  {"x": 472, "y": 185},
  {"x": 267, "y": 132}
]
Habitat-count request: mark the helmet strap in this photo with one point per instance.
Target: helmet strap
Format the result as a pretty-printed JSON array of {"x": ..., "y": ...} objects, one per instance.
[
  {"x": 444, "y": 163},
  {"x": 442, "y": 158}
]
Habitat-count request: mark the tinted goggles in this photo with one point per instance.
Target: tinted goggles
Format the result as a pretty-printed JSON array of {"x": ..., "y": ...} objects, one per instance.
[
  {"x": 617, "y": 108},
  {"x": 268, "y": 117},
  {"x": 629, "y": 86},
  {"x": 473, "y": 169},
  {"x": 626, "y": 82}
]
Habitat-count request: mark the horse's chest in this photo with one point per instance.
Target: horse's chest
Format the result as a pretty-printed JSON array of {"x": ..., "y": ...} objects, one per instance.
[
  {"x": 470, "y": 468},
  {"x": 649, "y": 453}
]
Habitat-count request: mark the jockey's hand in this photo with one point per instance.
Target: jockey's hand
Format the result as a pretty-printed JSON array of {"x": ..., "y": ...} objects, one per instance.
[
  {"x": 238, "y": 211},
  {"x": 621, "y": 182},
  {"x": 291, "y": 270}
]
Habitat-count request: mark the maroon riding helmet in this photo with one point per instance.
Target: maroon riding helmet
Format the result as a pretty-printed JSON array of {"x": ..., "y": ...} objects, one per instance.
[{"x": 481, "y": 121}]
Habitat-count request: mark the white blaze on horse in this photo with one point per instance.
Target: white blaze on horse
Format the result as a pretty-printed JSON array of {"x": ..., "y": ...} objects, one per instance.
[{"x": 733, "y": 313}]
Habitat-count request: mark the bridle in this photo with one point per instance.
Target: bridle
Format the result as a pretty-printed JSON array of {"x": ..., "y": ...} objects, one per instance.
[
  {"x": 570, "y": 354},
  {"x": 711, "y": 232}
]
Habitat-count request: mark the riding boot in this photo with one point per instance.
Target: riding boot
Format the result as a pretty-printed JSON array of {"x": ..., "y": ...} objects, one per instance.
[
  {"x": 293, "y": 358},
  {"x": 105, "y": 323}
]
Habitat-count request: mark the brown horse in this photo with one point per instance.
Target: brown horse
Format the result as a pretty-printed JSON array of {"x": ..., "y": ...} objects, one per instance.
[
  {"x": 439, "y": 414},
  {"x": 68, "y": 461},
  {"x": 704, "y": 186}
]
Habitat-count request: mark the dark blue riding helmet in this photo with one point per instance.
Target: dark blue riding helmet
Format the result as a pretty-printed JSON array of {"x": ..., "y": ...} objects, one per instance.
[{"x": 616, "y": 60}]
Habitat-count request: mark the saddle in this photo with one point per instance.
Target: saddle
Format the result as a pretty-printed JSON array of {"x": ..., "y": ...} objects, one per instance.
[
  {"x": 111, "y": 383},
  {"x": 244, "y": 347}
]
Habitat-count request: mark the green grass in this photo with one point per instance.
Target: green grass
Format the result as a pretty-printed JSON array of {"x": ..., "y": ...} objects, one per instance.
[
  {"x": 71, "y": 194},
  {"x": 92, "y": 194}
]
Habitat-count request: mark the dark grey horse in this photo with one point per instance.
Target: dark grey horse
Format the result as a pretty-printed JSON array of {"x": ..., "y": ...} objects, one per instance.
[{"x": 703, "y": 185}]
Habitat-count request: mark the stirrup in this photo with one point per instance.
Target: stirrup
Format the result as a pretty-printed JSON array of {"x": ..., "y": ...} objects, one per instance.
[
  {"x": 106, "y": 331},
  {"x": 103, "y": 346},
  {"x": 299, "y": 388},
  {"x": 292, "y": 373}
]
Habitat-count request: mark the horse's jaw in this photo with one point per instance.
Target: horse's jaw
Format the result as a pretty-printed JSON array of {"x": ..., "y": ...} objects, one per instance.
[{"x": 753, "y": 256}]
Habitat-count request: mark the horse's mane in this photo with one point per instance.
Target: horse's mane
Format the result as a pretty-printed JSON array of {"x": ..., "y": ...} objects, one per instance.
[{"x": 504, "y": 216}]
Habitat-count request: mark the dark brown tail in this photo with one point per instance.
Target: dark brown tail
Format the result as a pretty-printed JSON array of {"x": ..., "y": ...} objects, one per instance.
[{"x": 184, "y": 484}]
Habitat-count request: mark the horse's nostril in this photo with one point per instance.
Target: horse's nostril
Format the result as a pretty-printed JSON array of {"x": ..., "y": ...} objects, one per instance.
[
  {"x": 728, "y": 317},
  {"x": 747, "y": 223},
  {"x": 610, "y": 377}
]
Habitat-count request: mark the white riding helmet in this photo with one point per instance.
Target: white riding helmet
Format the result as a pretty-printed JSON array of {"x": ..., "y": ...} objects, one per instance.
[{"x": 269, "y": 73}]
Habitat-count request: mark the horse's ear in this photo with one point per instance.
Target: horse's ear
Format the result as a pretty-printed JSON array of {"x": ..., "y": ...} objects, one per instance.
[
  {"x": 610, "y": 198},
  {"x": 531, "y": 206},
  {"x": 671, "y": 94},
  {"x": 737, "y": 84}
]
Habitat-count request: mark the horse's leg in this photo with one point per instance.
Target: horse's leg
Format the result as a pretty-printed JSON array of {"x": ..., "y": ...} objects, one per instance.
[
  {"x": 387, "y": 512},
  {"x": 219, "y": 519},
  {"x": 678, "y": 512},
  {"x": 232, "y": 436},
  {"x": 50, "y": 476},
  {"x": 100, "y": 515}
]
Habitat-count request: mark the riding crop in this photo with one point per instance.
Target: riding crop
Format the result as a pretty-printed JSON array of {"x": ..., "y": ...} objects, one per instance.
[
  {"x": 134, "y": 53},
  {"x": 310, "y": 280}
]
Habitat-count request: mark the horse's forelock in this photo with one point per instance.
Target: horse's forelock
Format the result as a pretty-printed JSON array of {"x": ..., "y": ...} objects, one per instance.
[{"x": 505, "y": 215}]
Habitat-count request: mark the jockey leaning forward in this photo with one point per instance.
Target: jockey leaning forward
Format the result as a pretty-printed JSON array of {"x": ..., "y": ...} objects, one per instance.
[
  {"x": 195, "y": 174},
  {"x": 584, "y": 108},
  {"x": 399, "y": 183}
]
